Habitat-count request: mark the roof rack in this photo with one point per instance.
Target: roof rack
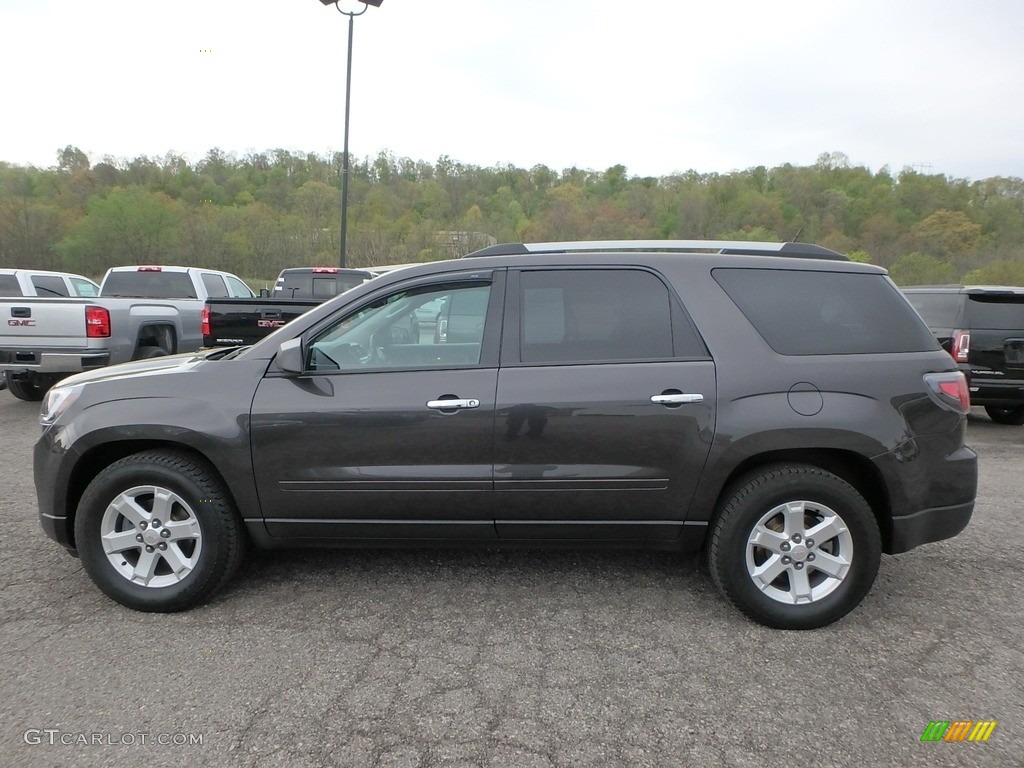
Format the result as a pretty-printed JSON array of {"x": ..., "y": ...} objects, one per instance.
[{"x": 738, "y": 247}]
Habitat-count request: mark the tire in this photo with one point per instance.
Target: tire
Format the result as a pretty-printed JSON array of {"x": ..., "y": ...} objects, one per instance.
[
  {"x": 1013, "y": 415},
  {"x": 32, "y": 389},
  {"x": 202, "y": 546},
  {"x": 145, "y": 353},
  {"x": 761, "y": 530}
]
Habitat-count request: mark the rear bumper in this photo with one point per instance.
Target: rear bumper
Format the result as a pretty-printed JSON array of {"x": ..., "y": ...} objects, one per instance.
[
  {"x": 928, "y": 525},
  {"x": 23, "y": 361},
  {"x": 990, "y": 390}
]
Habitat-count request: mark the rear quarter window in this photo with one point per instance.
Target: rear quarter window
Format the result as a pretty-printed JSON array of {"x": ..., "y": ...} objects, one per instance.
[{"x": 826, "y": 313}]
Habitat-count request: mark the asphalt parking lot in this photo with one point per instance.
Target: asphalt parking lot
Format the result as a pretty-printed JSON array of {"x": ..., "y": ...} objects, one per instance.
[{"x": 515, "y": 658}]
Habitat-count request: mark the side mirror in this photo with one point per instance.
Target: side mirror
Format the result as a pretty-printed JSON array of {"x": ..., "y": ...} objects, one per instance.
[
  {"x": 289, "y": 356},
  {"x": 264, "y": 293}
]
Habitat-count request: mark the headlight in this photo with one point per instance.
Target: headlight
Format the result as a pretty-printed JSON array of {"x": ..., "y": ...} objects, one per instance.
[{"x": 57, "y": 400}]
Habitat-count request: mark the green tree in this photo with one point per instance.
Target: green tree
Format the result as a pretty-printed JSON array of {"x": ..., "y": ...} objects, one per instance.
[
  {"x": 922, "y": 269},
  {"x": 131, "y": 225},
  {"x": 1003, "y": 272}
]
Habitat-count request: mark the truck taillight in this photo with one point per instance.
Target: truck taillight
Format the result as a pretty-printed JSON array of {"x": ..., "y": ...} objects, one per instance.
[
  {"x": 150, "y": 269},
  {"x": 204, "y": 322},
  {"x": 325, "y": 270},
  {"x": 950, "y": 390},
  {"x": 97, "y": 322},
  {"x": 961, "y": 346}
]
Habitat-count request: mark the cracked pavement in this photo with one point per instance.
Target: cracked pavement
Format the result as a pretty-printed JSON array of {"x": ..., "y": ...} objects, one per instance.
[{"x": 511, "y": 658}]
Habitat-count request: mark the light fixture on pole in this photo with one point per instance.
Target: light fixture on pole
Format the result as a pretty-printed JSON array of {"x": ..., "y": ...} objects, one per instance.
[{"x": 348, "y": 97}]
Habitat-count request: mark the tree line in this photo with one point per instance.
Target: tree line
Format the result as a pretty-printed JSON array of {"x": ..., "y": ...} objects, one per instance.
[{"x": 256, "y": 214}]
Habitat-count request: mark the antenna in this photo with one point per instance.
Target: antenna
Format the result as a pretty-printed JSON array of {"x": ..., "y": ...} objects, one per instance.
[{"x": 798, "y": 233}]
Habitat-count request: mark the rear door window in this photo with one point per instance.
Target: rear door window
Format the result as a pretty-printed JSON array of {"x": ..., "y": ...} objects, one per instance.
[
  {"x": 9, "y": 286},
  {"x": 214, "y": 285},
  {"x": 826, "y": 313},
  {"x": 49, "y": 285},
  {"x": 599, "y": 315}
]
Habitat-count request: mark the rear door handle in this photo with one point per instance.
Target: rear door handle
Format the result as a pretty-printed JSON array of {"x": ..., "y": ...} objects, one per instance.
[
  {"x": 677, "y": 399},
  {"x": 452, "y": 404}
]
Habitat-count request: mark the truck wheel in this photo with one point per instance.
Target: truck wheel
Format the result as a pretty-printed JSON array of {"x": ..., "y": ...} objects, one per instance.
[
  {"x": 794, "y": 547},
  {"x": 1010, "y": 415},
  {"x": 32, "y": 389},
  {"x": 156, "y": 531},
  {"x": 145, "y": 353}
]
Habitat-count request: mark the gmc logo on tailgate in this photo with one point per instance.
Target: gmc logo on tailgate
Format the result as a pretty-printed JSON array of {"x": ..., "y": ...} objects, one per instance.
[{"x": 17, "y": 323}]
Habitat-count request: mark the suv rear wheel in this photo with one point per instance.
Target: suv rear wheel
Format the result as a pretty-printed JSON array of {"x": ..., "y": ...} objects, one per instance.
[
  {"x": 794, "y": 547},
  {"x": 1008, "y": 415},
  {"x": 157, "y": 532}
]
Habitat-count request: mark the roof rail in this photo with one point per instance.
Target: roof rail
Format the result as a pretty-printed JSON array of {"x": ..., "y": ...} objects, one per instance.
[{"x": 739, "y": 247}]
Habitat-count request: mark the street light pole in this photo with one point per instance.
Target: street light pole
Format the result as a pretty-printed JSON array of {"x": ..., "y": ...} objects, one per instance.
[{"x": 348, "y": 100}]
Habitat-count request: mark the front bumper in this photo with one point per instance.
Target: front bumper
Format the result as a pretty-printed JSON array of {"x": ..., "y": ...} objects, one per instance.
[{"x": 50, "y": 469}]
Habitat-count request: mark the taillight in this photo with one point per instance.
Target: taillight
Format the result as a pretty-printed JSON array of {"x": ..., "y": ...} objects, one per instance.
[
  {"x": 97, "y": 322},
  {"x": 949, "y": 390},
  {"x": 204, "y": 322},
  {"x": 150, "y": 269},
  {"x": 325, "y": 270},
  {"x": 961, "y": 346}
]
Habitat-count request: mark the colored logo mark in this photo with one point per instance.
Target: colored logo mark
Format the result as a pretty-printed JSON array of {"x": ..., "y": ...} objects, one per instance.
[{"x": 959, "y": 730}]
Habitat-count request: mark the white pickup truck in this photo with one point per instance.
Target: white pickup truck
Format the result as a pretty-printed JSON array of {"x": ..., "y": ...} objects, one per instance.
[
  {"x": 39, "y": 282},
  {"x": 140, "y": 312}
]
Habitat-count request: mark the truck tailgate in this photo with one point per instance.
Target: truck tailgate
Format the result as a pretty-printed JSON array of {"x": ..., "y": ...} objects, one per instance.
[{"x": 42, "y": 323}]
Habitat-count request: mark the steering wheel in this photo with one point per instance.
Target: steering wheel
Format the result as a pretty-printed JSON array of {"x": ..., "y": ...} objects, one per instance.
[{"x": 378, "y": 353}]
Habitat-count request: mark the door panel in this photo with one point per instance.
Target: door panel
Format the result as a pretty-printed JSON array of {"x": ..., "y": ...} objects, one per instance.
[
  {"x": 362, "y": 455},
  {"x": 582, "y": 451}
]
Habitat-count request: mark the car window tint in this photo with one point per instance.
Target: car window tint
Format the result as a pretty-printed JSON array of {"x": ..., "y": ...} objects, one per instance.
[
  {"x": 938, "y": 310},
  {"x": 593, "y": 315},
  {"x": 836, "y": 313},
  {"x": 215, "y": 287},
  {"x": 149, "y": 284},
  {"x": 9, "y": 286},
  {"x": 409, "y": 329},
  {"x": 996, "y": 312},
  {"x": 48, "y": 285}
]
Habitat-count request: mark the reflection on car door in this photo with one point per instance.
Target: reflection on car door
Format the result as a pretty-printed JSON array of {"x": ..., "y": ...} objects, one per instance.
[
  {"x": 393, "y": 446},
  {"x": 604, "y": 419}
]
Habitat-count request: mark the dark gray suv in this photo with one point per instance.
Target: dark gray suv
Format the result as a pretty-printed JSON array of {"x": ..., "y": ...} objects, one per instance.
[{"x": 773, "y": 404}]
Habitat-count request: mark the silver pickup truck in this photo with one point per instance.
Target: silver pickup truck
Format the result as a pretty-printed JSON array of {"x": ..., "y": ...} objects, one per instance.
[{"x": 141, "y": 312}]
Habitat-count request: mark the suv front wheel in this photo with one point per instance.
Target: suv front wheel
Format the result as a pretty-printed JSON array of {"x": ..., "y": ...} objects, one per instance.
[
  {"x": 156, "y": 531},
  {"x": 794, "y": 547}
]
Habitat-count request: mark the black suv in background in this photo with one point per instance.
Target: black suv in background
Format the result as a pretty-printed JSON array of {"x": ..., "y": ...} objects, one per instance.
[
  {"x": 982, "y": 328},
  {"x": 773, "y": 404}
]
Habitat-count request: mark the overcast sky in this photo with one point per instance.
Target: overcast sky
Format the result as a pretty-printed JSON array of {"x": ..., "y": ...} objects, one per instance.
[{"x": 658, "y": 86}]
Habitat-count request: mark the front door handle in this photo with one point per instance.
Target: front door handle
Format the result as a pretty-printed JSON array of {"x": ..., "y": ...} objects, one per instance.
[
  {"x": 453, "y": 403},
  {"x": 677, "y": 399}
]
